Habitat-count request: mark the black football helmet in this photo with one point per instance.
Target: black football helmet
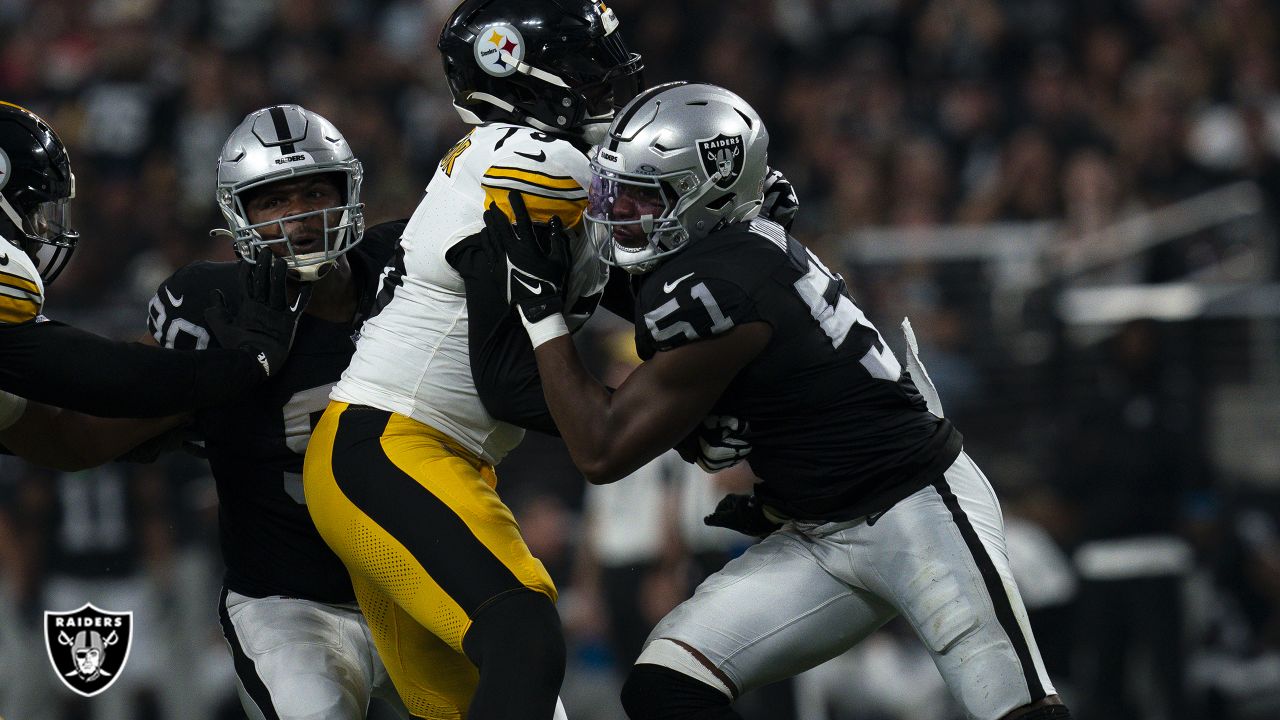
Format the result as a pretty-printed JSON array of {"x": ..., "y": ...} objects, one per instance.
[
  {"x": 36, "y": 187},
  {"x": 558, "y": 65}
]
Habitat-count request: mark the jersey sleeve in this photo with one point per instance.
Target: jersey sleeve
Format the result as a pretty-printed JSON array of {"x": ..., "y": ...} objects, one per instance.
[
  {"x": 21, "y": 289},
  {"x": 543, "y": 172},
  {"x": 59, "y": 365}
]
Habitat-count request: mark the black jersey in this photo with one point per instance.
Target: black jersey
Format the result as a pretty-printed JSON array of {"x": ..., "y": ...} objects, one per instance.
[
  {"x": 256, "y": 446},
  {"x": 838, "y": 429}
]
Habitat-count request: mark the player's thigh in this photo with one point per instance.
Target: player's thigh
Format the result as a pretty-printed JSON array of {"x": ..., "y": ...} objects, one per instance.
[
  {"x": 418, "y": 516},
  {"x": 297, "y": 658},
  {"x": 767, "y": 615},
  {"x": 939, "y": 557},
  {"x": 430, "y": 678}
]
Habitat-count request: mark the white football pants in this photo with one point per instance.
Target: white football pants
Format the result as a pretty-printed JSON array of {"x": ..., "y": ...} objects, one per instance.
[{"x": 810, "y": 591}]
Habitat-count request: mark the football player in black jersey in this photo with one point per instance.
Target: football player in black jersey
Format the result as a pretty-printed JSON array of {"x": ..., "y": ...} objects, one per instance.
[
  {"x": 289, "y": 188},
  {"x": 48, "y": 362},
  {"x": 869, "y": 505}
]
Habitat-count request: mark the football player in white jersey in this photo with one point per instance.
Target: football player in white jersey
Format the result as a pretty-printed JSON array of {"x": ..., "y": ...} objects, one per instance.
[
  {"x": 870, "y": 505},
  {"x": 399, "y": 473},
  {"x": 58, "y": 365}
]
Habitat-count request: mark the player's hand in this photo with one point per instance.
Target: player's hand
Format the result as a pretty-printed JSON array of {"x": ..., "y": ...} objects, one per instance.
[
  {"x": 742, "y": 513},
  {"x": 538, "y": 259},
  {"x": 719, "y": 442},
  {"x": 265, "y": 323},
  {"x": 780, "y": 201}
]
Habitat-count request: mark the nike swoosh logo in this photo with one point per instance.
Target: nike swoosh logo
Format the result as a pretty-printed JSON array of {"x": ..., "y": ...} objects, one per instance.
[
  {"x": 4, "y": 259},
  {"x": 540, "y": 157},
  {"x": 535, "y": 289},
  {"x": 174, "y": 301},
  {"x": 668, "y": 287}
]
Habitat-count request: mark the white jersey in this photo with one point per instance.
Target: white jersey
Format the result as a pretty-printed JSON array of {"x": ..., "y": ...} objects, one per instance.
[
  {"x": 21, "y": 289},
  {"x": 412, "y": 357}
]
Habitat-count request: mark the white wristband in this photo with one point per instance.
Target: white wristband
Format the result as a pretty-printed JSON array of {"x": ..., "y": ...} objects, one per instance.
[
  {"x": 11, "y": 409},
  {"x": 548, "y": 328}
]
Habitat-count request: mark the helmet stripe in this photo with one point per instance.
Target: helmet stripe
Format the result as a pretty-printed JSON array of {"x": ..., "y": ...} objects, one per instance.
[
  {"x": 282, "y": 130},
  {"x": 636, "y": 104}
]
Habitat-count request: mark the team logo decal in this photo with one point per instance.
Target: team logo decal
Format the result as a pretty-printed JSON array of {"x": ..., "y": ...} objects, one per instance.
[
  {"x": 722, "y": 154},
  {"x": 499, "y": 48},
  {"x": 4, "y": 169},
  {"x": 88, "y": 647}
]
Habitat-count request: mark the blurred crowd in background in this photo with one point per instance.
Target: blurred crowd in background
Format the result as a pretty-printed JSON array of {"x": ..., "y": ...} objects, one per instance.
[{"x": 1073, "y": 200}]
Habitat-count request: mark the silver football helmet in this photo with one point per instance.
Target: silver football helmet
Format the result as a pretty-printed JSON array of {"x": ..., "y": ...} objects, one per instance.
[
  {"x": 680, "y": 160},
  {"x": 285, "y": 142}
]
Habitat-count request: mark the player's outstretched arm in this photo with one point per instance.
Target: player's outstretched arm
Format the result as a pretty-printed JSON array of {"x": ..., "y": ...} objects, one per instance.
[
  {"x": 69, "y": 441},
  {"x": 62, "y": 366}
]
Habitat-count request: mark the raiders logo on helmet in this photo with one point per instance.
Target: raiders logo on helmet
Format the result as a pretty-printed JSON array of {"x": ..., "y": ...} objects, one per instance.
[{"x": 722, "y": 154}]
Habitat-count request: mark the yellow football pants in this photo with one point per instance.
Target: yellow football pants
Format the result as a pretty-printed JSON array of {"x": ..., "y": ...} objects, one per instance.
[{"x": 418, "y": 522}]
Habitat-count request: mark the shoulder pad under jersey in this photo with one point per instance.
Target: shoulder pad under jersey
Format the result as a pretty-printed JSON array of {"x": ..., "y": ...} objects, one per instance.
[
  {"x": 21, "y": 289},
  {"x": 175, "y": 315}
]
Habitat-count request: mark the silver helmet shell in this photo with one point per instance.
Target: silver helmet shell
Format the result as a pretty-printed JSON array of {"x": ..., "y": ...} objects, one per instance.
[
  {"x": 280, "y": 143},
  {"x": 680, "y": 160}
]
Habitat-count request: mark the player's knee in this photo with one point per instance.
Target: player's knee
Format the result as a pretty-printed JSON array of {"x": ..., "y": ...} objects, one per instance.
[
  {"x": 654, "y": 692},
  {"x": 521, "y": 627},
  {"x": 304, "y": 695},
  {"x": 1040, "y": 712}
]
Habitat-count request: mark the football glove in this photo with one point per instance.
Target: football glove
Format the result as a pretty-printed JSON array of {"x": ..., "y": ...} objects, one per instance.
[
  {"x": 265, "y": 323},
  {"x": 743, "y": 513},
  {"x": 538, "y": 259},
  {"x": 722, "y": 443},
  {"x": 780, "y": 201}
]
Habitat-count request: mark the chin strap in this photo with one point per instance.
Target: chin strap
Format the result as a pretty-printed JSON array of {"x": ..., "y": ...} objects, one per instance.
[{"x": 12, "y": 214}]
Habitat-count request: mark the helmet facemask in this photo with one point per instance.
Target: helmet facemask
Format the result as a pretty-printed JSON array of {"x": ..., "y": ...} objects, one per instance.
[
  {"x": 47, "y": 236},
  {"x": 342, "y": 226},
  {"x": 634, "y": 219}
]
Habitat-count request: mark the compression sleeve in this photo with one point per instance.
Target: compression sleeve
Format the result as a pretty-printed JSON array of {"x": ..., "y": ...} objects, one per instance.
[
  {"x": 503, "y": 366},
  {"x": 60, "y": 365}
]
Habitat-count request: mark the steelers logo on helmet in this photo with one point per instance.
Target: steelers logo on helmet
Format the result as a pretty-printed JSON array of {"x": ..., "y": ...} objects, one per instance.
[
  {"x": 4, "y": 169},
  {"x": 722, "y": 154},
  {"x": 499, "y": 49}
]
